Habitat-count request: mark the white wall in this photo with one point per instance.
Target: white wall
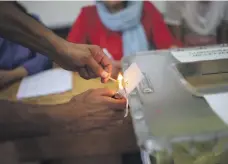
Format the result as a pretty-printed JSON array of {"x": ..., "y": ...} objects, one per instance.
[{"x": 62, "y": 13}]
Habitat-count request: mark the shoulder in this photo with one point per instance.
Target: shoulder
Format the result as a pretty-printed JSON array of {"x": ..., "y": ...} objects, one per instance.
[
  {"x": 149, "y": 8},
  {"x": 87, "y": 16},
  {"x": 89, "y": 10}
]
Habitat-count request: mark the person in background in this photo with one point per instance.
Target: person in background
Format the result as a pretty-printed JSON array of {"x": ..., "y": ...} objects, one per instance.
[
  {"x": 122, "y": 28},
  {"x": 197, "y": 23},
  {"x": 17, "y": 61}
]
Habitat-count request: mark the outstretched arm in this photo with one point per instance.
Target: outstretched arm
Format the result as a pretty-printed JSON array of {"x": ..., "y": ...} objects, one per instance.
[
  {"x": 18, "y": 26},
  {"x": 22, "y": 120},
  {"x": 161, "y": 36},
  {"x": 87, "y": 111}
]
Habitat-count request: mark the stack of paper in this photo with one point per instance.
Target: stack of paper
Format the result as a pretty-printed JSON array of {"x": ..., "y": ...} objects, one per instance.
[{"x": 45, "y": 83}]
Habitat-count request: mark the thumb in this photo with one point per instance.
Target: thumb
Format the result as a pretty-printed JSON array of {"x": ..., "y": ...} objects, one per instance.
[
  {"x": 105, "y": 92},
  {"x": 97, "y": 68}
]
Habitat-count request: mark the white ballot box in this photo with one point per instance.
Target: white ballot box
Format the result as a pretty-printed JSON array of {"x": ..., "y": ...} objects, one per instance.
[{"x": 180, "y": 108}]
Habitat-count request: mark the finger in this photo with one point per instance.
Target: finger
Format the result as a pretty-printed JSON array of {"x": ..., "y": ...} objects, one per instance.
[
  {"x": 83, "y": 73},
  {"x": 104, "y": 80},
  {"x": 116, "y": 64},
  {"x": 90, "y": 72},
  {"x": 105, "y": 92},
  {"x": 101, "y": 58},
  {"x": 115, "y": 103},
  {"x": 104, "y": 62},
  {"x": 96, "y": 67}
]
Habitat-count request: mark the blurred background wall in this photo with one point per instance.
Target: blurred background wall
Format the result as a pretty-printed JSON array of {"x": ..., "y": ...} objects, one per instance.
[{"x": 60, "y": 14}]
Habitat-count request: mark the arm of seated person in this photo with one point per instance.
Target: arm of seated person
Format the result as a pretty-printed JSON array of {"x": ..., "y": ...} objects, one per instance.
[
  {"x": 37, "y": 64},
  {"x": 177, "y": 32},
  {"x": 30, "y": 67},
  {"x": 173, "y": 18},
  {"x": 9, "y": 76},
  {"x": 160, "y": 34}
]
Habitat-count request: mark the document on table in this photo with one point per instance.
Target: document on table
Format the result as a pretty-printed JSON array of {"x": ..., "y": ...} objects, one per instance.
[
  {"x": 48, "y": 82},
  {"x": 219, "y": 104}
]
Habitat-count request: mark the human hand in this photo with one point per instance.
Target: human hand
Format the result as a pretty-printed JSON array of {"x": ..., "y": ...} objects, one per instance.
[
  {"x": 5, "y": 78},
  {"x": 116, "y": 68},
  {"x": 9, "y": 76},
  {"x": 97, "y": 100},
  {"x": 94, "y": 108},
  {"x": 88, "y": 60}
]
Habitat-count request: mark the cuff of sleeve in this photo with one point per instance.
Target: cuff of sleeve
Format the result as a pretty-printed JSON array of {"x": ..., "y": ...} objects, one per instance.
[
  {"x": 33, "y": 68},
  {"x": 29, "y": 68}
]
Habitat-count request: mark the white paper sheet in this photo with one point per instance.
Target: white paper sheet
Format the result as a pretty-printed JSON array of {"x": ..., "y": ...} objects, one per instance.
[
  {"x": 45, "y": 83},
  {"x": 133, "y": 76},
  {"x": 219, "y": 104},
  {"x": 201, "y": 54}
]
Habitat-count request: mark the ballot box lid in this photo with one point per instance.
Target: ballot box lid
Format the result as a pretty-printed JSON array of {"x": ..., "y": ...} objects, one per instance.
[{"x": 163, "y": 111}]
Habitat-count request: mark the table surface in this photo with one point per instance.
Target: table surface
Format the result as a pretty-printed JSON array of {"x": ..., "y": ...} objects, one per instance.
[{"x": 115, "y": 139}]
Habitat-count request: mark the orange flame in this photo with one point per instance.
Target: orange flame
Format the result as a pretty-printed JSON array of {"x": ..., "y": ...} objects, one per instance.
[{"x": 120, "y": 81}]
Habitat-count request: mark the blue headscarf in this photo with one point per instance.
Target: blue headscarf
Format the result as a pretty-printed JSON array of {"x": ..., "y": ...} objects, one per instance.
[{"x": 128, "y": 21}]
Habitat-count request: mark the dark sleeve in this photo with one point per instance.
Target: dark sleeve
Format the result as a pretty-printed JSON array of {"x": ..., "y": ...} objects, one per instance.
[{"x": 37, "y": 64}]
